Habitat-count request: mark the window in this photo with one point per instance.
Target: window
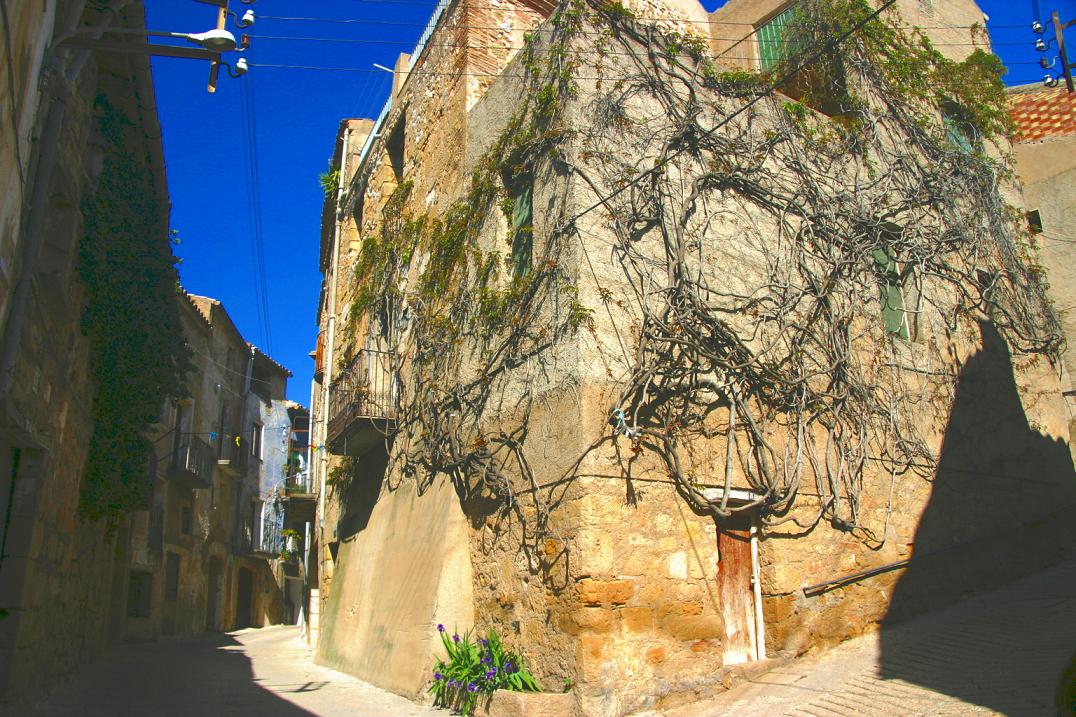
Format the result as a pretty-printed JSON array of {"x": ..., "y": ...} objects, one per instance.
[
  {"x": 394, "y": 146},
  {"x": 1034, "y": 221},
  {"x": 959, "y": 132},
  {"x": 139, "y": 593},
  {"x": 171, "y": 576},
  {"x": 894, "y": 316},
  {"x": 185, "y": 520},
  {"x": 256, "y": 440},
  {"x": 820, "y": 85},
  {"x": 522, "y": 192},
  {"x": 773, "y": 43}
]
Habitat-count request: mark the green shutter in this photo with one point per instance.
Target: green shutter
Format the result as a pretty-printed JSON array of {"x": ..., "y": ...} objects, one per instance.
[
  {"x": 522, "y": 233},
  {"x": 773, "y": 40},
  {"x": 956, "y": 133},
  {"x": 893, "y": 314}
]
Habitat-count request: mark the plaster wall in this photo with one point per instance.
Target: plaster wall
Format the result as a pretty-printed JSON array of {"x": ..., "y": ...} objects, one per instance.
[
  {"x": 402, "y": 564},
  {"x": 1048, "y": 170}
]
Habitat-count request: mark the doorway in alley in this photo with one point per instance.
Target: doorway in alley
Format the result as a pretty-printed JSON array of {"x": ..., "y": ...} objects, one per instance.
[
  {"x": 214, "y": 595},
  {"x": 736, "y": 583},
  {"x": 244, "y": 596}
]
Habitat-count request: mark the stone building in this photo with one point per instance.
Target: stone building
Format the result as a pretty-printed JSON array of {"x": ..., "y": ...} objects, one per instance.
[
  {"x": 661, "y": 351},
  {"x": 113, "y": 527},
  {"x": 198, "y": 561},
  {"x": 1045, "y": 150},
  {"x": 74, "y": 118}
]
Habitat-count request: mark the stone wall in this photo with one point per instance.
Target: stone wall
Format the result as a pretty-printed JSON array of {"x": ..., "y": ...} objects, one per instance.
[
  {"x": 31, "y": 28},
  {"x": 63, "y": 578}
]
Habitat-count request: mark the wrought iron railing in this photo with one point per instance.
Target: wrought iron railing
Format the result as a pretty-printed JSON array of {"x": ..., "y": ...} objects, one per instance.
[
  {"x": 367, "y": 388},
  {"x": 195, "y": 458},
  {"x": 299, "y": 483}
]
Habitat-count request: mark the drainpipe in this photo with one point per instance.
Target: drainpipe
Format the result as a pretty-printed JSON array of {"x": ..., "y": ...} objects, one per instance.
[{"x": 41, "y": 174}]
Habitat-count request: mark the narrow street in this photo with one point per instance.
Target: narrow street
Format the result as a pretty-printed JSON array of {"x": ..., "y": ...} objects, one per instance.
[
  {"x": 260, "y": 672},
  {"x": 1000, "y": 653}
]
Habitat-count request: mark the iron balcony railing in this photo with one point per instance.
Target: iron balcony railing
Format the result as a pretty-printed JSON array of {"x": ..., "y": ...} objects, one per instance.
[
  {"x": 193, "y": 461},
  {"x": 366, "y": 389}
]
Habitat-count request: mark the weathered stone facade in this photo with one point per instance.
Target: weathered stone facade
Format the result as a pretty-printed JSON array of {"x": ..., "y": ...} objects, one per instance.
[
  {"x": 62, "y": 580},
  {"x": 70, "y": 584},
  {"x": 625, "y": 592},
  {"x": 196, "y": 558}
]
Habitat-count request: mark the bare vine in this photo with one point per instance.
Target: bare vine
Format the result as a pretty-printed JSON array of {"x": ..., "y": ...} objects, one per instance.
[{"x": 751, "y": 261}]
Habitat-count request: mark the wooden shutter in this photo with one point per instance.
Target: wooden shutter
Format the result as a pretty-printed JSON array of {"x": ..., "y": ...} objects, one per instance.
[
  {"x": 522, "y": 232},
  {"x": 893, "y": 314}
]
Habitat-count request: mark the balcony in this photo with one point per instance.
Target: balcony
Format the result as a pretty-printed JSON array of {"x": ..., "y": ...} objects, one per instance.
[
  {"x": 231, "y": 458},
  {"x": 300, "y": 500},
  {"x": 362, "y": 404},
  {"x": 192, "y": 463}
]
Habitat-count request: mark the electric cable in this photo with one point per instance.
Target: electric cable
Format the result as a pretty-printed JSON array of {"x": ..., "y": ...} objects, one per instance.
[{"x": 254, "y": 198}]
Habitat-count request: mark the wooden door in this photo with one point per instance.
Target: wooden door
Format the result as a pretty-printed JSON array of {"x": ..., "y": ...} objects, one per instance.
[{"x": 735, "y": 590}]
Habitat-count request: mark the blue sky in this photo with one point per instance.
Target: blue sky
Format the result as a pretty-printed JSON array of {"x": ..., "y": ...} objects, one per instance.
[{"x": 292, "y": 125}]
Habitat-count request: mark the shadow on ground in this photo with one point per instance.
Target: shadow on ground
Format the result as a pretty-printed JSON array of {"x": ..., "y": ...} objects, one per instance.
[
  {"x": 203, "y": 676},
  {"x": 1002, "y": 506}
]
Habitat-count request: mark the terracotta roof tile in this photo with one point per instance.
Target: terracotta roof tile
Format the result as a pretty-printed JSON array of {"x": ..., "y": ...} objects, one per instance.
[{"x": 1040, "y": 112}]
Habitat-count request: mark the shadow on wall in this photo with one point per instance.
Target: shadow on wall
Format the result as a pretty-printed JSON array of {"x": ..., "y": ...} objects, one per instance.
[
  {"x": 361, "y": 494},
  {"x": 203, "y": 676},
  {"x": 1002, "y": 506}
]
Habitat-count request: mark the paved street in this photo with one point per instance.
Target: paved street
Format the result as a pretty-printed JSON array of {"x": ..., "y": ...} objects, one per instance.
[
  {"x": 997, "y": 654},
  {"x": 261, "y": 672}
]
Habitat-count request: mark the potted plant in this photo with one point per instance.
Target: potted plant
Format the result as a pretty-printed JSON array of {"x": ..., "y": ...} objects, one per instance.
[{"x": 291, "y": 540}]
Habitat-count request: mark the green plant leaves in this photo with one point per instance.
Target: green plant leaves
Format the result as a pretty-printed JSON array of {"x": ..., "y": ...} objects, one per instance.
[{"x": 474, "y": 668}]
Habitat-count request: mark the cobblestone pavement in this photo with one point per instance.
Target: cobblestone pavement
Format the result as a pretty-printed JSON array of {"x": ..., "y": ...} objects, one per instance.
[
  {"x": 264, "y": 672},
  {"x": 1000, "y": 653}
]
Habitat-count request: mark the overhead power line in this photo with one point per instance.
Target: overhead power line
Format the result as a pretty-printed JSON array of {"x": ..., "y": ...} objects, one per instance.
[
  {"x": 400, "y": 23},
  {"x": 257, "y": 245}
]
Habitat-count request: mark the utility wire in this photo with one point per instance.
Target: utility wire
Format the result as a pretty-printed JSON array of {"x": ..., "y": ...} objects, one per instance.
[
  {"x": 484, "y": 6},
  {"x": 257, "y": 245},
  {"x": 473, "y": 46}
]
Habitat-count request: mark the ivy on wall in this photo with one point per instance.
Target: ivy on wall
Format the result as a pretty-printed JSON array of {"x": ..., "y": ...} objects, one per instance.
[{"x": 138, "y": 354}]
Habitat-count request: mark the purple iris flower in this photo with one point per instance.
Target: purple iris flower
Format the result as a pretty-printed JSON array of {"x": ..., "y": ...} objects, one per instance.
[
  {"x": 508, "y": 667},
  {"x": 472, "y": 687},
  {"x": 438, "y": 676},
  {"x": 485, "y": 642},
  {"x": 491, "y": 673},
  {"x": 440, "y": 627},
  {"x": 455, "y": 638},
  {"x": 487, "y": 660}
]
